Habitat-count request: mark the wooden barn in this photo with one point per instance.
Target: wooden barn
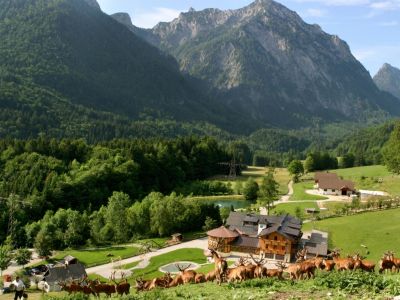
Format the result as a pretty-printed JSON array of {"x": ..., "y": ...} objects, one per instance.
[
  {"x": 276, "y": 237},
  {"x": 330, "y": 184}
]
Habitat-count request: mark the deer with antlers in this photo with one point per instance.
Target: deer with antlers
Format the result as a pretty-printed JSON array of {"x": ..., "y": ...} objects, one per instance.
[
  {"x": 221, "y": 265},
  {"x": 342, "y": 264},
  {"x": 260, "y": 271},
  {"x": 362, "y": 264},
  {"x": 278, "y": 273},
  {"x": 121, "y": 287},
  {"x": 142, "y": 285},
  {"x": 238, "y": 273},
  {"x": 188, "y": 276}
]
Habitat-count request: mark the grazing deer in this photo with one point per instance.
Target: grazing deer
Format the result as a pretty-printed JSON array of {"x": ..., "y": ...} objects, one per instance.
[
  {"x": 278, "y": 273},
  {"x": 121, "y": 287},
  {"x": 221, "y": 266},
  {"x": 260, "y": 271},
  {"x": 188, "y": 276}
]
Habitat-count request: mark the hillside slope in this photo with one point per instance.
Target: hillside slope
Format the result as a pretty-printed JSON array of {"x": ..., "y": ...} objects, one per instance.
[
  {"x": 80, "y": 57},
  {"x": 264, "y": 60}
]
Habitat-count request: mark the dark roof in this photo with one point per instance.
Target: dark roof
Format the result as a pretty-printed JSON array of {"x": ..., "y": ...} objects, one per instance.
[
  {"x": 245, "y": 241},
  {"x": 222, "y": 232},
  {"x": 317, "y": 244},
  {"x": 63, "y": 273},
  {"x": 286, "y": 225}
]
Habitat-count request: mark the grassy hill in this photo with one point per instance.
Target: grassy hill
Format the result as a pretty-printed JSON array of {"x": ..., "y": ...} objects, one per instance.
[{"x": 379, "y": 231}]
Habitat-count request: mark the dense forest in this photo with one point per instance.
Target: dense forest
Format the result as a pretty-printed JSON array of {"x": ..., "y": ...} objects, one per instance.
[{"x": 46, "y": 174}]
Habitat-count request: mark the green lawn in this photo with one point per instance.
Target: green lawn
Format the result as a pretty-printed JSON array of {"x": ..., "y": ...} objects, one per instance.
[
  {"x": 290, "y": 208},
  {"x": 300, "y": 194},
  {"x": 98, "y": 256},
  {"x": 130, "y": 265},
  {"x": 377, "y": 230},
  {"x": 189, "y": 254},
  {"x": 372, "y": 178}
]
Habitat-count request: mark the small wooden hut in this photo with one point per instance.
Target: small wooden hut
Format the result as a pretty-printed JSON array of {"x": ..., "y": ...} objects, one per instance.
[{"x": 221, "y": 237}]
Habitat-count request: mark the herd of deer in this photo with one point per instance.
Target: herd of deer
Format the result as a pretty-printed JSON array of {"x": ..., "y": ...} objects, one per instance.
[
  {"x": 95, "y": 287},
  {"x": 243, "y": 270}
]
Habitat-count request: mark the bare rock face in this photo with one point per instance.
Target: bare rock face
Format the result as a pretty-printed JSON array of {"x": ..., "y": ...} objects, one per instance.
[
  {"x": 265, "y": 61},
  {"x": 123, "y": 18},
  {"x": 388, "y": 80},
  {"x": 93, "y": 3}
]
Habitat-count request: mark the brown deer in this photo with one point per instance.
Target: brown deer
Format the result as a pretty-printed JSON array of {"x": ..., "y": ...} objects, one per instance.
[
  {"x": 121, "y": 287},
  {"x": 328, "y": 264},
  {"x": 293, "y": 271},
  {"x": 70, "y": 288},
  {"x": 142, "y": 285},
  {"x": 260, "y": 271},
  {"x": 177, "y": 280},
  {"x": 210, "y": 276},
  {"x": 238, "y": 273},
  {"x": 221, "y": 266},
  {"x": 342, "y": 264},
  {"x": 278, "y": 273},
  {"x": 396, "y": 261},
  {"x": 162, "y": 282},
  {"x": 386, "y": 262},
  {"x": 98, "y": 287},
  {"x": 188, "y": 276},
  {"x": 362, "y": 264}
]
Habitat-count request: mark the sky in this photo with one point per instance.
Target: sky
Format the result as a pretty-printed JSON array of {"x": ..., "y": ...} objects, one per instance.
[{"x": 370, "y": 27}]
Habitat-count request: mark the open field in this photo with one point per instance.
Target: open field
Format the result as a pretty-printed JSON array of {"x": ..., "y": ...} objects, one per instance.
[
  {"x": 93, "y": 257},
  {"x": 290, "y": 208},
  {"x": 299, "y": 193},
  {"x": 377, "y": 230},
  {"x": 376, "y": 178},
  {"x": 189, "y": 254}
]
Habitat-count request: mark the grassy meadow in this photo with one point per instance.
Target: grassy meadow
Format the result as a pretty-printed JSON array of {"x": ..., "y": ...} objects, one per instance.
[
  {"x": 379, "y": 231},
  {"x": 299, "y": 191}
]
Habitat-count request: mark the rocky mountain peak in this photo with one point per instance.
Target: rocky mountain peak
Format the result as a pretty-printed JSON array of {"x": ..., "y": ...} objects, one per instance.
[
  {"x": 123, "y": 18},
  {"x": 93, "y": 3},
  {"x": 388, "y": 79}
]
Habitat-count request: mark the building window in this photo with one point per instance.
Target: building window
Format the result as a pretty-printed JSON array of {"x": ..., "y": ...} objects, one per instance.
[
  {"x": 283, "y": 247},
  {"x": 325, "y": 190},
  {"x": 276, "y": 238}
]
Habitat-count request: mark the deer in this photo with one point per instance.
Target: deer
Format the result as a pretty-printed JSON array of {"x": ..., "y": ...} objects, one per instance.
[
  {"x": 342, "y": 264},
  {"x": 361, "y": 263},
  {"x": 328, "y": 264},
  {"x": 210, "y": 276},
  {"x": 163, "y": 282},
  {"x": 188, "y": 276},
  {"x": 200, "y": 278},
  {"x": 278, "y": 273},
  {"x": 122, "y": 287},
  {"x": 293, "y": 271},
  {"x": 396, "y": 261},
  {"x": 386, "y": 262},
  {"x": 238, "y": 273},
  {"x": 142, "y": 285},
  {"x": 260, "y": 271},
  {"x": 305, "y": 267},
  {"x": 221, "y": 265},
  {"x": 98, "y": 287},
  {"x": 177, "y": 280},
  {"x": 70, "y": 288}
]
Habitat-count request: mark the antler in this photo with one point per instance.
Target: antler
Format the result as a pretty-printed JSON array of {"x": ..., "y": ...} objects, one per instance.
[
  {"x": 183, "y": 269},
  {"x": 281, "y": 265}
]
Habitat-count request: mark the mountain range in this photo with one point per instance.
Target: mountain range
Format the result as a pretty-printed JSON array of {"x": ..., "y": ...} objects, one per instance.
[
  {"x": 388, "y": 79},
  {"x": 68, "y": 69}
]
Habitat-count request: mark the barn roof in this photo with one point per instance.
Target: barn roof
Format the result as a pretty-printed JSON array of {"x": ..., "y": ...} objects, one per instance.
[
  {"x": 222, "y": 232},
  {"x": 317, "y": 244},
  {"x": 65, "y": 272},
  {"x": 335, "y": 183},
  {"x": 323, "y": 175}
]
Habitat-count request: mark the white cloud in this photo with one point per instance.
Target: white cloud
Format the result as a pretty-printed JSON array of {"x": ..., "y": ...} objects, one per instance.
[
  {"x": 151, "y": 18},
  {"x": 315, "y": 12}
]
